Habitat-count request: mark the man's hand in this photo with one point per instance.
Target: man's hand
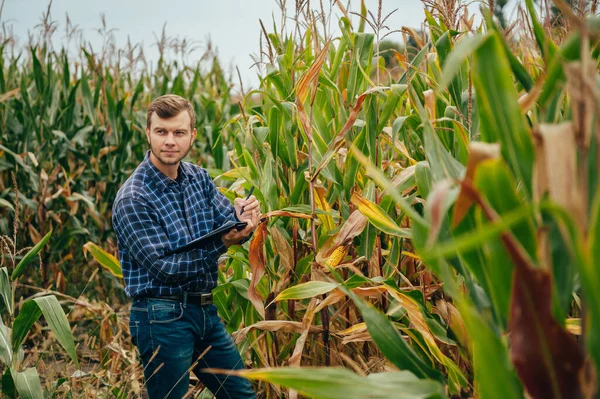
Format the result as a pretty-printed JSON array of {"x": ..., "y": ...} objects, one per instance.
[
  {"x": 246, "y": 206},
  {"x": 251, "y": 215}
]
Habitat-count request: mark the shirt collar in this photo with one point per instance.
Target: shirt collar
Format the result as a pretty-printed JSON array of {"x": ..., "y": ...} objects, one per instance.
[{"x": 163, "y": 181}]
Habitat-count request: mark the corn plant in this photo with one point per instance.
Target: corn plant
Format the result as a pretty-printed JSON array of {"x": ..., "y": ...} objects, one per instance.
[
  {"x": 454, "y": 166},
  {"x": 14, "y": 326}
]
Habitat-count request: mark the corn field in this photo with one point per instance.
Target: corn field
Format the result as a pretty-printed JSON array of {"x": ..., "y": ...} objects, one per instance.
[{"x": 432, "y": 211}]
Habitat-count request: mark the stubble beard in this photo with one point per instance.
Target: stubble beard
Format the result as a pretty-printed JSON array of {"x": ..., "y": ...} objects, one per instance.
[{"x": 168, "y": 162}]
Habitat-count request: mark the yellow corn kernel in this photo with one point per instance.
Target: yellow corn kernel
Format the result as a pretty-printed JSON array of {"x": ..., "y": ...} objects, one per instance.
[{"x": 336, "y": 256}]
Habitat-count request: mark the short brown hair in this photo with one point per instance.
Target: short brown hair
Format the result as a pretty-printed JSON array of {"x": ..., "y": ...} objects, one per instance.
[{"x": 168, "y": 106}]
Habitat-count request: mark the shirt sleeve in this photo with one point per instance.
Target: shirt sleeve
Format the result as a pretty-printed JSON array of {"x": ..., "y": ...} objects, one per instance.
[
  {"x": 140, "y": 232},
  {"x": 224, "y": 210}
]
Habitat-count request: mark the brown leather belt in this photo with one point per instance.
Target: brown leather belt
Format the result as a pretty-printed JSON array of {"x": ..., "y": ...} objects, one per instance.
[{"x": 189, "y": 297}]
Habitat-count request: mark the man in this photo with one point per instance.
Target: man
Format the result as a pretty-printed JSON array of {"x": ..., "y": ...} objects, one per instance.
[{"x": 165, "y": 204}]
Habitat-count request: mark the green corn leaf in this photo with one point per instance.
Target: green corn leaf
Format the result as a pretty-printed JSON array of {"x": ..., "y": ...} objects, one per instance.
[
  {"x": 4, "y": 203},
  {"x": 442, "y": 164},
  {"x": 340, "y": 383},
  {"x": 6, "y": 352},
  {"x": 368, "y": 239},
  {"x": 518, "y": 69},
  {"x": 494, "y": 180},
  {"x": 434, "y": 24},
  {"x": 414, "y": 64},
  {"x": 38, "y": 73},
  {"x": 590, "y": 279},
  {"x": 29, "y": 314},
  {"x": 106, "y": 260},
  {"x": 17, "y": 158},
  {"x": 97, "y": 95},
  {"x": 338, "y": 56},
  {"x": 255, "y": 174},
  {"x": 444, "y": 48},
  {"x": 423, "y": 178},
  {"x": 139, "y": 88},
  {"x": 5, "y": 289},
  {"x": 66, "y": 73},
  {"x": 570, "y": 50},
  {"x": 87, "y": 99},
  {"x": 275, "y": 138},
  {"x": 489, "y": 354},
  {"x": 548, "y": 47},
  {"x": 306, "y": 290},
  {"x": 555, "y": 72},
  {"x": 474, "y": 258},
  {"x": 382, "y": 181},
  {"x": 361, "y": 61},
  {"x": 28, "y": 383},
  {"x": 390, "y": 342},
  {"x": 500, "y": 116},
  {"x": 443, "y": 45},
  {"x": 391, "y": 102},
  {"x": 8, "y": 385},
  {"x": 55, "y": 317},
  {"x": 352, "y": 165},
  {"x": 459, "y": 55},
  {"x": 2, "y": 77},
  {"x": 57, "y": 320},
  {"x": 490, "y": 358},
  {"x": 363, "y": 14},
  {"x": 378, "y": 217},
  {"x": 112, "y": 113},
  {"x": 29, "y": 256}
]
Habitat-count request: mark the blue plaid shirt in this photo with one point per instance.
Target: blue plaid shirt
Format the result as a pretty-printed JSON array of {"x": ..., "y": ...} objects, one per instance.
[{"x": 153, "y": 214}]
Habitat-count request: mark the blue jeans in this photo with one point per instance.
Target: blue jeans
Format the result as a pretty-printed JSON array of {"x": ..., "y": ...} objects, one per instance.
[{"x": 171, "y": 337}]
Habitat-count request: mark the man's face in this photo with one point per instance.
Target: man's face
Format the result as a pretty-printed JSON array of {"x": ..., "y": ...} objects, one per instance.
[{"x": 170, "y": 139}]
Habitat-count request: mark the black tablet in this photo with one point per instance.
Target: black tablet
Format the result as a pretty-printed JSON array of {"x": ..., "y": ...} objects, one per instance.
[{"x": 209, "y": 237}]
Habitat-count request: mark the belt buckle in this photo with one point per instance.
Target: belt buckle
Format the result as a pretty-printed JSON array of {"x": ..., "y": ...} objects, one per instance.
[{"x": 206, "y": 299}]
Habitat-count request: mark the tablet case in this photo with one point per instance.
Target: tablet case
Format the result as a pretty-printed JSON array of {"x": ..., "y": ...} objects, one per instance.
[{"x": 209, "y": 237}]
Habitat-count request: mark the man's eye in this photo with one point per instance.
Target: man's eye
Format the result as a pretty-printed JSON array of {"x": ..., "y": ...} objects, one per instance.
[{"x": 180, "y": 133}]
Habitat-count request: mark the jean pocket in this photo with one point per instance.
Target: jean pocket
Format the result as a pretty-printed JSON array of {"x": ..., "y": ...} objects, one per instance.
[{"x": 165, "y": 312}]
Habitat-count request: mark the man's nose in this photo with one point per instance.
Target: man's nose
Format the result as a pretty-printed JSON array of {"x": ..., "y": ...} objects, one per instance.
[{"x": 170, "y": 139}]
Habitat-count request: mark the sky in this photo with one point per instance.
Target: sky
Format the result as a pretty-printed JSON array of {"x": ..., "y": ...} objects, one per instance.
[{"x": 232, "y": 25}]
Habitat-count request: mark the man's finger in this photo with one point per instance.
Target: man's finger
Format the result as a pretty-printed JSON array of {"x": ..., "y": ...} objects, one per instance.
[
  {"x": 229, "y": 235},
  {"x": 248, "y": 228},
  {"x": 248, "y": 201},
  {"x": 251, "y": 205}
]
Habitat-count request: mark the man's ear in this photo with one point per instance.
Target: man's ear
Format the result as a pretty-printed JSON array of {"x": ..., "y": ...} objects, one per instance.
[
  {"x": 147, "y": 134},
  {"x": 194, "y": 134}
]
